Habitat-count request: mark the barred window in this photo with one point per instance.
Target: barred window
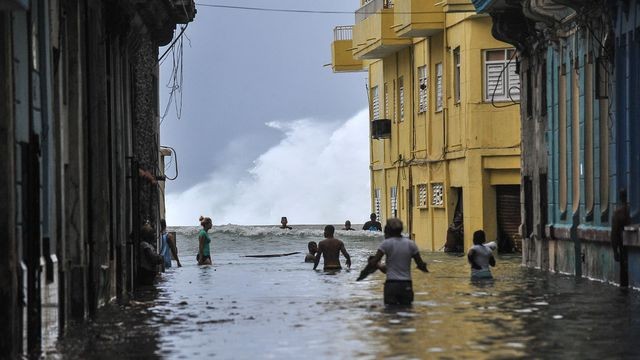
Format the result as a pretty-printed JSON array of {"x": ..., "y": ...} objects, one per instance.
[
  {"x": 386, "y": 101},
  {"x": 437, "y": 194},
  {"x": 422, "y": 195},
  {"x": 439, "y": 87},
  {"x": 401, "y": 98},
  {"x": 422, "y": 89},
  {"x": 394, "y": 201},
  {"x": 377, "y": 203}
]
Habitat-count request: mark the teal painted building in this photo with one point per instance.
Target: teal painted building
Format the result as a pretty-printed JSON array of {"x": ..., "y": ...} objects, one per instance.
[{"x": 580, "y": 76}]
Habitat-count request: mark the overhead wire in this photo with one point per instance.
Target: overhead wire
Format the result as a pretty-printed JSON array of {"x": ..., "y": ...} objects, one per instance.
[{"x": 300, "y": 11}]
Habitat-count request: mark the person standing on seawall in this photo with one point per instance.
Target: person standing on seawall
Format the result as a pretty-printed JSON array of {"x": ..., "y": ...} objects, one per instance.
[
  {"x": 167, "y": 245},
  {"x": 373, "y": 224},
  {"x": 204, "y": 241},
  {"x": 620, "y": 219},
  {"x": 398, "y": 289}
]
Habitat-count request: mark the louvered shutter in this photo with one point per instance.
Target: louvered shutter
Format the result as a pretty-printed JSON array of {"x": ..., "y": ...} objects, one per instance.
[
  {"x": 495, "y": 82},
  {"x": 514, "y": 82}
]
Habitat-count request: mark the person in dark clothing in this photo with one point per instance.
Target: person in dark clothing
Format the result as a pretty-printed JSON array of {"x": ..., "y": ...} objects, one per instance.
[
  {"x": 284, "y": 222},
  {"x": 149, "y": 258},
  {"x": 620, "y": 219},
  {"x": 372, "y": 225},
  {"x": 347, "y": 226}
]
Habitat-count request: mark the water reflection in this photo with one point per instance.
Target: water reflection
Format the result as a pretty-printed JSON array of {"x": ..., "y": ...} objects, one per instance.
[{"x": 279, "y": 308}]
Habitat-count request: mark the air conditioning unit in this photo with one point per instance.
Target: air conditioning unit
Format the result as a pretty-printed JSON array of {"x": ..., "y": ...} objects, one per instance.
[{"x": 381, "y": 129}]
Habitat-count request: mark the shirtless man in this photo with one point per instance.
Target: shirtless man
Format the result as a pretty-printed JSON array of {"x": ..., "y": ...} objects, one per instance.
[{"x": 331, "y": 248}]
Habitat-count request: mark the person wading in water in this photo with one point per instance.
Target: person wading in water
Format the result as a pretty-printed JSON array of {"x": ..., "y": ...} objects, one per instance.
[
  {"x": 331, "y": 248},
  {"x": 204, "y": 251},
  {"x": 168, "y": 245},
  {"x": 398, "y": 289}
]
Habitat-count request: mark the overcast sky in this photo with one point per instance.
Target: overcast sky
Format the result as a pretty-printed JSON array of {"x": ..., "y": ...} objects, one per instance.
[{"x": 254, "y": 82}]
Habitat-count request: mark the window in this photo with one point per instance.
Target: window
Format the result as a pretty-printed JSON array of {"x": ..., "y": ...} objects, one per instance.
[
  {"x": 456, "y": 74},
  {"x": 377, "y": 203},
  {"x": 401, "y": 98},
  {"x": 422, "y": 196},
  {"x": 422, "y": 89},
  {"x": 375, "y": 103},
  {"x": 394, "y": 201},
  {"x": 439, "y": 87},
  {"x": 386, "y": 101},
  {"x": 437, "y": 194},
  {"x": 501, "y": 82}
]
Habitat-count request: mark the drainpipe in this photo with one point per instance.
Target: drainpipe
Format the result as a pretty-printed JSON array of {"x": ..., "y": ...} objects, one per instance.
[{"x": 577, "y": 244}]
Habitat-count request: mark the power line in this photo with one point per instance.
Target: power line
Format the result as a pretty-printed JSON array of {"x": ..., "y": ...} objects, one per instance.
[
  {"x": 274, "y": 9},
  {"x": 249, "y": 8}
]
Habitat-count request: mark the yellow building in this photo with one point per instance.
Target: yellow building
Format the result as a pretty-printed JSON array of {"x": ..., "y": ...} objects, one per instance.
[{"x": 445, "y": 125}]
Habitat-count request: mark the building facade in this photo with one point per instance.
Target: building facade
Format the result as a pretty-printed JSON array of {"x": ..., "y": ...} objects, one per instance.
[
  {"x": 444, "y": 110},
  {"x": 578, "y": 62},
  {"x": 80, "y": 158}
]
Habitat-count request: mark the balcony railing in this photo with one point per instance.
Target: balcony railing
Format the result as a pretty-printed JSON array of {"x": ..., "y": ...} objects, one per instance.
[
  {"x": 343, "y": 32},
  {"x": 371, "y": 8}
]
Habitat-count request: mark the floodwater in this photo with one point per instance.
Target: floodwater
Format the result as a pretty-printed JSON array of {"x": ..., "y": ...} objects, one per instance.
[{"x": 279, "y": 308}]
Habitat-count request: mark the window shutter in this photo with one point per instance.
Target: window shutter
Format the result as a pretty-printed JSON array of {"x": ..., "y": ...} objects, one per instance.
[
  {"x": 514, "y": 83},
  {"x": 438, "y": 87},
  {"x": 375, "y": 103},
  {"x": 422, "y": 89},
  {"x": 495, "y": 81}
]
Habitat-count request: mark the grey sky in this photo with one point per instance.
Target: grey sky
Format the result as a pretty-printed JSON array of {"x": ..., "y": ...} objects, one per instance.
[{"x": 244, "y": 69}]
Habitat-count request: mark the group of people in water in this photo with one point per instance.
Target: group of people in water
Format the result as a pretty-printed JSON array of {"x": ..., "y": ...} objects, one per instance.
[{"x": 398, "y": 252}]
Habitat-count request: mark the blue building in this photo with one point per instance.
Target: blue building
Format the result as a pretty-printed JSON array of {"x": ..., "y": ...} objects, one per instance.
[{"x": 579, "y": 68}]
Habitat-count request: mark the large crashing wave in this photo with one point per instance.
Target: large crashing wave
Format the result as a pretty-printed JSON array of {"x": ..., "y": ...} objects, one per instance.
[{"x": 317, "y": 174}]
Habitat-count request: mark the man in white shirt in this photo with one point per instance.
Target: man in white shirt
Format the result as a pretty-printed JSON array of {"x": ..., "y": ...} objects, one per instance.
[{"x": 398, "y": 289}]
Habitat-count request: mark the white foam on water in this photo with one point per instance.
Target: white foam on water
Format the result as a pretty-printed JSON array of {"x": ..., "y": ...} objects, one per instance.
[{"x": 317, "y": 174}]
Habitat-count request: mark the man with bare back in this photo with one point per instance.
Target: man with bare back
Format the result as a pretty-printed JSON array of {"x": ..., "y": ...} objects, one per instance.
[{"x": 330, "y": 248}]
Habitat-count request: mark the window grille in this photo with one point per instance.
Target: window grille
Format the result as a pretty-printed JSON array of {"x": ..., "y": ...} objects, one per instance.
[
  {"x": 401, "y": 97},
  {"x": 439, "y": 87},
  {"x": 422, "y": 89},
  {"x": 394, "y": 201},
  {"x": 422, "y": 195},
  {"x": 377, "y": 204},
  {"x": 437, "y": 194},
  {"x": 386, "y": 101}
]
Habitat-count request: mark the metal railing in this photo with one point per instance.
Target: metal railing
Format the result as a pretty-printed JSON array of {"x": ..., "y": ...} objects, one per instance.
[
  {"x": 343, "y": 32},
  {"x": 371, "y": 8}
]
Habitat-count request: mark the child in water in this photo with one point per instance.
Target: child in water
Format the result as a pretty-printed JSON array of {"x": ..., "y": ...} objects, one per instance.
[
  {"x": 313, "y": 249},
  {"x": 480, "y": 257}
]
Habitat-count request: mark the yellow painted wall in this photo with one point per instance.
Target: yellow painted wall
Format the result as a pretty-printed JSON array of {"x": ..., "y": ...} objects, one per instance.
[{"x": 471, "y": 144}]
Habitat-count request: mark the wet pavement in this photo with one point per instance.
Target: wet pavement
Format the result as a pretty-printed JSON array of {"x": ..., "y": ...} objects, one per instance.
[{"x": 278, "y": 308}]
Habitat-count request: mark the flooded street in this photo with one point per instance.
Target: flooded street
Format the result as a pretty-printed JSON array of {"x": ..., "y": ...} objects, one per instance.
[{"x": 243, "y": 307}]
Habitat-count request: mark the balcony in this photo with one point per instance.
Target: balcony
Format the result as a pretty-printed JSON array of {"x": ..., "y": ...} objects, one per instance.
[
  {"x": 342, "y": 59},
  {"x": 374, "y": 36},
  {"x": 418, "y": 18}
]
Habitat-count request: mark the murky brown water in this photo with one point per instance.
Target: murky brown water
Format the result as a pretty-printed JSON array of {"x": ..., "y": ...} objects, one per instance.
[{"x": 279, "y": 308}]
